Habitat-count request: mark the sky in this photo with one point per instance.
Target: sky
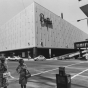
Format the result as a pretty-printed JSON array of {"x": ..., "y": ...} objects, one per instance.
[{"x": 69, "y": 8}]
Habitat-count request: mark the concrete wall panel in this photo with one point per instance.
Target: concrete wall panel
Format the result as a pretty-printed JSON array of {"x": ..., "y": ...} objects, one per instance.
[
  {"x": 62, "y": 35},
  {"x": 18, "y": 33},
  {"x": 25, "y": 31}
]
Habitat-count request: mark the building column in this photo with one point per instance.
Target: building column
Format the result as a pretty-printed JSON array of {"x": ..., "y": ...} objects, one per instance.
[
  {"x": 23, "y": 54},
  {"x": 28, "y": 54},
  {"x": 49, "y": 53},
  {"x": 35, "y": 52},
  {"x": 80, "y": 55}
]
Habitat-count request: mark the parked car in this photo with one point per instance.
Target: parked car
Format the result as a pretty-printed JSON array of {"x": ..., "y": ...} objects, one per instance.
[
  {"x": 86, "y": 56},
  {"x": 67, "y": 57},
  {"x": 39, "y": 58},
  {"x": 60, "y": 58},
  {"x": 82, "y": 58},
  {"x": 8, "y": 58},
  {"x": 15, "y": 58},
  {"x": 63, "y": 57},
  {"x": 55, "y": 58}
]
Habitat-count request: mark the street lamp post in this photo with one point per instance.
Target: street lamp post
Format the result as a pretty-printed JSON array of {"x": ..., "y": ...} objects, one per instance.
[
  {"x": 87, "y": 26},
  {"x": 82, "y": 19}
]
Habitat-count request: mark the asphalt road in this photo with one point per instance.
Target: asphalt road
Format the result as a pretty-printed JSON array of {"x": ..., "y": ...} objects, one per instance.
[{"x": 48, "y": 79}]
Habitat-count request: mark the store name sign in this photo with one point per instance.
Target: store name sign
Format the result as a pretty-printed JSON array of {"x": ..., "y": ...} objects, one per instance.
[{"x": 45, "y": 21}]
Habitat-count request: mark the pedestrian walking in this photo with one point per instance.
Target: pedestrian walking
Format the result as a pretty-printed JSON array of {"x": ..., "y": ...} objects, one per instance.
[
  {"x": 3, "y": 69},
  {"x": 22, "y": 70}
]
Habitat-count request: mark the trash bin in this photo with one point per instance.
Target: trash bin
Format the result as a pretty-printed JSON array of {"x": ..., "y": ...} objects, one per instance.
[
  {"x": 63, "y": 81},
  {"x": 61, "y": 70}
]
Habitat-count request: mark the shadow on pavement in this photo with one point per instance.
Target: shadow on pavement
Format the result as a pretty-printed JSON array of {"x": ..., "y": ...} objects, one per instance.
[{"x": 78, "y": 86}]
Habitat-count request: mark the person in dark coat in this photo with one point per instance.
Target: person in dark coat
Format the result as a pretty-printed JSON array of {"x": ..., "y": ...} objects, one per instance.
[
  {"x": 3, "y": 69},
  {"x": 21, "y": 69}
]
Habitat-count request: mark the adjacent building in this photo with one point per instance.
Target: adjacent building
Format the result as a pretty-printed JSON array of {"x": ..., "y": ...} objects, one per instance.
[
  {"x": 84, "y": 6},
  {"x": 38, "y": 31}
]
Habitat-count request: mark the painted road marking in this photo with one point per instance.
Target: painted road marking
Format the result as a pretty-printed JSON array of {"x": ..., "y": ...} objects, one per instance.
[
  {"x": 86, "y": 77},
  {"x": 52, "y": 70},
  {"x": 79, "y": 73},
  {"x": 55, "y": 69}
]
